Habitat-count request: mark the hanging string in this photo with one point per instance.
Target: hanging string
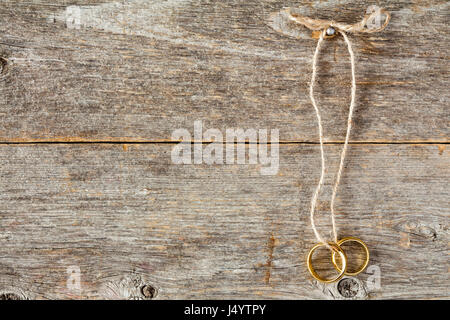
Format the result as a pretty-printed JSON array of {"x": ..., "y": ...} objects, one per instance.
[
  {"x": 322, "y": 154},
  {"x": 342, "y": 28}
]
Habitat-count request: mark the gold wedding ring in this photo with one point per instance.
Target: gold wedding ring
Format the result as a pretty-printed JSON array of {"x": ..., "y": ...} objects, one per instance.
[
  {"x": 335, "y": 249},
  {"x": 366, "y": 261}
]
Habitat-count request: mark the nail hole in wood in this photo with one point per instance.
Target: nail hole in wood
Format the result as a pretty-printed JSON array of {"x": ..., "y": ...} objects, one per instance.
[
  {"x": 148, "y": 291},
  {"x": 348, "y": 287},
  {"x": 9, "y": 296}
]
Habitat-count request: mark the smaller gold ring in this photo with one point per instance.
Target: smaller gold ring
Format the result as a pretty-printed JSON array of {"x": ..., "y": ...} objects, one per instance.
[
  {"x": 336, "y": 249},
  {"x": 366, "y": 262}
]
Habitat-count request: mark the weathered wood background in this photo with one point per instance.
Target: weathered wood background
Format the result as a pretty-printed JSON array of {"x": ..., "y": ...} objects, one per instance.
[{"x": 87, "y": 179}]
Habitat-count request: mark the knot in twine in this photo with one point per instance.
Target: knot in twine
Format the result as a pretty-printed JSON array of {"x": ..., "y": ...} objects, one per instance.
[
  {"x": 342, "y": 28},
  {"x": 319, "y": 24}
]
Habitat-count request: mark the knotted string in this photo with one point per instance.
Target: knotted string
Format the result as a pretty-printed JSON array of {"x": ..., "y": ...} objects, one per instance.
[
  {"x": 342, "y": 28},
  {"x": 319, "y": 24}
]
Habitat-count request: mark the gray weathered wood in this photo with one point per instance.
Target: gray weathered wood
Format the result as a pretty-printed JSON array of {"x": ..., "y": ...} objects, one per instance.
[
  {"x": 139, "y": 226},
  {"x": 129, "y": 217},
  {"x": 138, "y": 70}
]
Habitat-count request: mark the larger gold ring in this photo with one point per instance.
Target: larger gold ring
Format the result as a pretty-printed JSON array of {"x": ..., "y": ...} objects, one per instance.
[
  {"x": 336, "y": 249},
  {"x": 352, "y": 239}
]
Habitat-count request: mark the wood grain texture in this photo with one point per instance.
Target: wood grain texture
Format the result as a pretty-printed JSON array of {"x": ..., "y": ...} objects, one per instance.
[
  {"x": 87, "y": 181},
  {"x": 137, "y": 70},
  {"x": 129, "y": 218}
]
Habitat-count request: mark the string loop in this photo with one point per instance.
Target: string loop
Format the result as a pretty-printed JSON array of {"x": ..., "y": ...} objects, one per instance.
[{"x": 342, "y": 28}]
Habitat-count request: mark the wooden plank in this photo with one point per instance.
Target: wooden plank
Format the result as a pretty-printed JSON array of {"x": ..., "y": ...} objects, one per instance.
[
  {"x": 128, "y": 217},
  {"x": 138, "y": 226},
  {"x": 136, "y": 71}
]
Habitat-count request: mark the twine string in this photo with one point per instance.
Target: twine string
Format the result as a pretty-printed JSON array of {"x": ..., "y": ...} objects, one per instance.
[
  {"x": 359, "y": 27},
  {"x": 322, "y": 154},
  {"x": 342, "y": 28}
]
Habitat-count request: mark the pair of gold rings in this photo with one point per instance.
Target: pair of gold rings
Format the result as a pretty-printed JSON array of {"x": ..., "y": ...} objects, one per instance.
[{"x": 336, "y": 249}]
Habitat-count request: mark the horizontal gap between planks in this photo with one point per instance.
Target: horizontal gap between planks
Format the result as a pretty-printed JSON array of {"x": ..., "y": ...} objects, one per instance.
[{"x": 235, "y": 142}]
